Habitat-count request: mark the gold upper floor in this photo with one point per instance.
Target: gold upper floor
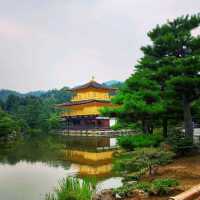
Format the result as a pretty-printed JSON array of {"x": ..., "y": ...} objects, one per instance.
[
  {"x": 92, "y": 108},
  {"x": 91, "y": 93}
]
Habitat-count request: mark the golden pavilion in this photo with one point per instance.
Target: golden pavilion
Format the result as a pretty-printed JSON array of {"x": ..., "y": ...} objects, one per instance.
[{"x": 83, "y": 111}]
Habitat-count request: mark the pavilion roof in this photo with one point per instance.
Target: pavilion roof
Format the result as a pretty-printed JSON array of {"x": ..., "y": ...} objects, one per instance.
[
  {"x": 73, "y": 103},
  {"x": 92, "y": 84}
]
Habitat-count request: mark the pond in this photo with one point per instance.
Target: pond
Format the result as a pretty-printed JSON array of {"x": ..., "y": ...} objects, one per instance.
[{"x": 31, "y": 167}]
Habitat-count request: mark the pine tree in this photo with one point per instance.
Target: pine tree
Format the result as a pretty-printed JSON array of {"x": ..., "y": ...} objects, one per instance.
[
  {"x": 139, "y": 101},
  {"x": 174, "y": 56},
  {"x": 167, "y": 77}
]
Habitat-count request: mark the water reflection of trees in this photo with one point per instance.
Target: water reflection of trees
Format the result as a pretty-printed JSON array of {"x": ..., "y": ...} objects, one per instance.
[{"x": 43, "y": 148}]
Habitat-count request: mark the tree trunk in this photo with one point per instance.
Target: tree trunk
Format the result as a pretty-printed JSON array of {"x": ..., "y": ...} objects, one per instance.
[
  {"x": 147, "y": 127},
  {"x": 187, "y": 117},
  {"x": 165, "y": 126},
  {"x": 144, "y": 126},
  {"x": 150, "y": 128}
]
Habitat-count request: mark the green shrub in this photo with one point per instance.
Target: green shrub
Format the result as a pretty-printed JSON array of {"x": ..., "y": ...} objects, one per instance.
[
  {"x": 180, "y": 143},
  {"x": 141, "y": 140},
  {"x": 72, "y": 189},
  {"x": 124, "y": 191},
  {"x": 158, "y": 187},
  {"x": 145, "y": 186},
  {"x": 141, "y": 160},
  {"x": 163, "y": 186}
]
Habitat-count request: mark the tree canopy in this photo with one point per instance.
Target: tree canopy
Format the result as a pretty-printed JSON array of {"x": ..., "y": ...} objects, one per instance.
[{"x": 166, "y": 81}]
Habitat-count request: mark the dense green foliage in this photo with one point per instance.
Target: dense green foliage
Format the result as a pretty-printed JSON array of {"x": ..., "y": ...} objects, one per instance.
[
  {"x": 163, "y": 92},
  {"x": 72, "y": 189},
  {"x": 162, "y": 186},
  {"x": 166, "y": 81},
  {"x": 9, "y": 125},
  {"x": 175, "y": 63},
  {"x": 141, "y": 160},
  {"x": 196, "y": 111},
  {"x": 33, "y": 114},
  {"x": 156, "y": 187},
  {"x": 59, "y": 95},
  {"x": 4, "y": 94},
  {"x": 180, "y": 143},
  {"x": 141, "y": 140},
  {"x": 140, "y": 101}
]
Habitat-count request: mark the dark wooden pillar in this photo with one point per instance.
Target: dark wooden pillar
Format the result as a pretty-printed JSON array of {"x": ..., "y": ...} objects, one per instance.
[{"x": 105, "y": 123}]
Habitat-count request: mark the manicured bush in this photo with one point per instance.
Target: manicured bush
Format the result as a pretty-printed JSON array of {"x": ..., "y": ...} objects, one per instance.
[
  {"x": 141, "y": 140},
  {"x": 141, "y": 160},
  {"x": 163, "y": 186},
  {"x": 158, "y": 187}
]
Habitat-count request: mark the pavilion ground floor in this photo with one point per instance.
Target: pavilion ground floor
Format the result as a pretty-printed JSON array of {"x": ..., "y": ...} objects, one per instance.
[{"x": 89, "y": 122}]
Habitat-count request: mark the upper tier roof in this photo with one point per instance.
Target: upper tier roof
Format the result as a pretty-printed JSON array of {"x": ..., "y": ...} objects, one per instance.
[
  {"x": 73, "y": 103},
  {"x": 92, "y": 84}
]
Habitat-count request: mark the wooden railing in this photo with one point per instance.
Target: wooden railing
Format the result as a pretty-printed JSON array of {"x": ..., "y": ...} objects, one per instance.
[
  {"x": 96, "y": 132},
  {"x": 191, "y": 194}
]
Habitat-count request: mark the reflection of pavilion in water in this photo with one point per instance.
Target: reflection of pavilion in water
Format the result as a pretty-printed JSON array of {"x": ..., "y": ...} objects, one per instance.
[{"x": 91, "y": 156}]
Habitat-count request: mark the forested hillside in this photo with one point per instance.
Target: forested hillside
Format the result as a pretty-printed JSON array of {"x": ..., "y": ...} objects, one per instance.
[
  {"x": 33, "y": 112},
  {"x": 58, "y": 95}
]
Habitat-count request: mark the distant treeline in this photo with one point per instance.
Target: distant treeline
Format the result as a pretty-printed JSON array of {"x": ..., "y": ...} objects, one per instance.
[
  {"x": 33, "y": 112},
  {"x": 30, "y": 114}
]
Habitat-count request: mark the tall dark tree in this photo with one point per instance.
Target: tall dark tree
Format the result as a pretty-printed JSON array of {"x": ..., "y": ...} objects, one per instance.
[
  {"x": 174, "y": 56},
  {"x": 139, "y": 101},
  {"x": 172, "y": 83}
]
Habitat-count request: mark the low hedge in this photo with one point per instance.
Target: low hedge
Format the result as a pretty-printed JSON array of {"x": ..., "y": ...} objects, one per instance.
[
  {"x": 140, "y": 140},
  {"x": 158, "y": 187}
]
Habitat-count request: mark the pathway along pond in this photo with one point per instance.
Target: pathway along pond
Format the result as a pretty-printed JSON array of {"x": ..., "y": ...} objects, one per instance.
[{"x": 31, "y": 167}]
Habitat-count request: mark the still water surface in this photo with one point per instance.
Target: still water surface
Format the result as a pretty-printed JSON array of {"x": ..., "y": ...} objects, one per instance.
[{"x": 32, "y": 167}]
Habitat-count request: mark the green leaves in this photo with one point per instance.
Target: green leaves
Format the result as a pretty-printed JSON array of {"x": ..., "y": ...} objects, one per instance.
[
  {"x": 158, "y": 187},
  {"x": 138, "y": 99},
  {"x": 72, "y": 189},
  {"x": 163, "y": 186},
  {"x": 139, "y": 141},
  {"x": 168, "y": 72},
  {"x": 8, "y": 125},
  {"x": 141, "y": 160}
]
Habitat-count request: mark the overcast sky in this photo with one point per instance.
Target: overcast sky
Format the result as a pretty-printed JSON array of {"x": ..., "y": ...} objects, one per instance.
[{"x": 47, "y": 44}]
